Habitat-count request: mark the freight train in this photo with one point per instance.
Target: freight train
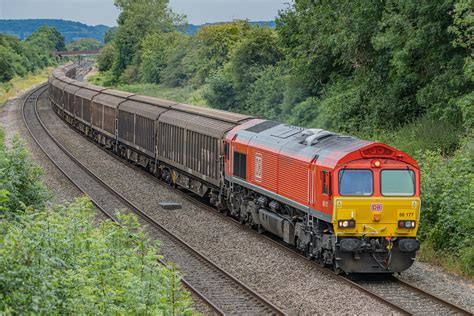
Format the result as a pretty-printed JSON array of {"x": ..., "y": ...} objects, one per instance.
[{"x": 350, "y": 204}]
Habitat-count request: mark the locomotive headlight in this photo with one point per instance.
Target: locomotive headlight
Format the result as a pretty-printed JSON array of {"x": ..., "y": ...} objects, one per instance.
[{"x": 348, "y": 223}]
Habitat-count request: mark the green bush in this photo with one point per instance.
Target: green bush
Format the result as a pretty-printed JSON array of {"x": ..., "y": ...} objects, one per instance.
[
  {"x": 447, "y": 218},
  {"x": 61, "y": 260},
  {"x": 20, "y": 179},
  {"x": 57, "y": 261},
  {"x": 106, "y": 57}
]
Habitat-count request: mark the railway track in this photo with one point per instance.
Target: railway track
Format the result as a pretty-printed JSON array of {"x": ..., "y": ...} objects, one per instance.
[
  {"x": 413, "y": 299},
  {"x": 222, "y": 292},
  {"x": 399, "y": 295},
  {"x": 403, "y": 297}
]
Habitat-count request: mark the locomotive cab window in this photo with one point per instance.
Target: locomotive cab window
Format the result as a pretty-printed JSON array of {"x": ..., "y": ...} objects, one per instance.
[
  {"x": 240, "y": 165},
  {"x": 356, "y": 182},
  {"x": 397, "y": 182},
  {"x": 226, "y": 151}
]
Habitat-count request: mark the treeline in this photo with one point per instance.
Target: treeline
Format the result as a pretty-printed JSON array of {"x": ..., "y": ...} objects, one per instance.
[
  {"x": 84, "y": 44},
  {"x": 351, "y": 66},
  {"x": 18, "y": 58},
  {"x": 397, "y": 71},
  {"x": 60, "y": 259}
]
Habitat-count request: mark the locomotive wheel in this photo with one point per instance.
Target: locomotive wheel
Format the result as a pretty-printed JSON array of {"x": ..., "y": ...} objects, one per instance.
[{"x": 260, "y": 229}]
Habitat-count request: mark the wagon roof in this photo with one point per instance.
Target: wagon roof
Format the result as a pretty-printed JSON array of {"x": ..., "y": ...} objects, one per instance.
[
  {"x": 109, "y": 100},
  {"x": 215, "y": 114},
  {"x": 142, "y": 109},
  {"x": 87, "y": 93},
  {"x": 71, "y": 88},
  {"x": 121, "y": 94},
  {"x": 153, "y": 101},
  {"x": 197, "y": 123}
]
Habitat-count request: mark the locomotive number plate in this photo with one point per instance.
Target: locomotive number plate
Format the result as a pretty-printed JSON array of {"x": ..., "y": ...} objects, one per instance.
[
  {"x": 376, "y": 207},
  {"x": 406, "y": 214}
]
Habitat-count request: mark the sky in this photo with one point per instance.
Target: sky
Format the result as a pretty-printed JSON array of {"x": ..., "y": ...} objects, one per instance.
[{"x": 95, "y": 12}]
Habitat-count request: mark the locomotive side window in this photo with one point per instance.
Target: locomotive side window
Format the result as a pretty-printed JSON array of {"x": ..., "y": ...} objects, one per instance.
[
  {"x": 325, "y": 182},
  {"x": 397, "y": 182},
  {"x": 356, "y": 182},
  {"x": 240, "y": 165}
]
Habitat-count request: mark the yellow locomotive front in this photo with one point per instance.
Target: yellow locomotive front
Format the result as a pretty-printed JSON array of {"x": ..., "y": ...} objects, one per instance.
[{"x": 376, "y": 213}]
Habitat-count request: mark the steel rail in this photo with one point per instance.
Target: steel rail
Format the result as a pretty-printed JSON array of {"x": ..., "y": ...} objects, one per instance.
[
  {"x": 274, "y": 310},
  {"x": 433, "y": 297}
]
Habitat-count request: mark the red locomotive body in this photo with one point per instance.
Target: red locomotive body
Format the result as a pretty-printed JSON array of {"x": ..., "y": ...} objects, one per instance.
[{"x": 287, "y": 180}]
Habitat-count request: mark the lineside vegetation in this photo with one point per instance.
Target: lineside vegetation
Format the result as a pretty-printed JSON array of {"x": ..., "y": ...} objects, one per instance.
[{"x": 60, "y": 259}]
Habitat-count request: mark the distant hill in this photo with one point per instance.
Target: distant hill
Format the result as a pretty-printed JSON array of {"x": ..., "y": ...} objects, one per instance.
[
  {"x": 70, "y": 30},
  {"x": 191, "y": 29}
]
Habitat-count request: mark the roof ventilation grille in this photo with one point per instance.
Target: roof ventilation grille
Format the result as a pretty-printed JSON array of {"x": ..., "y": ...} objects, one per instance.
[{"x": 314, "y": 135}]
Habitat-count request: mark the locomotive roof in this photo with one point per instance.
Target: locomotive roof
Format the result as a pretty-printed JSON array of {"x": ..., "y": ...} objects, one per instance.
[{"x": 301, "y": 143}]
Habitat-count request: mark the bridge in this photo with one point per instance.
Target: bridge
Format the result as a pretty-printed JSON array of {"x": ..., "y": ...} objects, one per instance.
[{"x": 84, "y": 53}]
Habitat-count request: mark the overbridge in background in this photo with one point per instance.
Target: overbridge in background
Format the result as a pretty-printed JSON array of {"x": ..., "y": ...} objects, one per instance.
[{"x": 84, "y": 53}]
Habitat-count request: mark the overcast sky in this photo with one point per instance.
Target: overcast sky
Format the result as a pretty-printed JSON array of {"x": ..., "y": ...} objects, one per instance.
[{"x": 95, "y": 12}]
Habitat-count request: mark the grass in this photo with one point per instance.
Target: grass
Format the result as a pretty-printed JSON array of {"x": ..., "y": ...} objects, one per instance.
[
  {"x": 450, "y": 263},
  {"x": 182, "y": 95},
  {"x": 186, "y": 94},
  {"x": 15, "y": 86}
]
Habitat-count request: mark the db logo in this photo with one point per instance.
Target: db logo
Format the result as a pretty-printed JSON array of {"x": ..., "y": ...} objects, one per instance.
[{"x": 376, "y": 207}]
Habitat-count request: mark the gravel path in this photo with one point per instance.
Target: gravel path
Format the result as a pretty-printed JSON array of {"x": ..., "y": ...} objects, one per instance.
[{"x": 291, "y": 283}]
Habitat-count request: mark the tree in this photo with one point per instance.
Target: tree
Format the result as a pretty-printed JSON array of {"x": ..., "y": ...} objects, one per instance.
[
  {"x": 106, "y": 57},
  {"x": 155, "y": 52},
  {"x": 138, "y": 19},
  {"x": 213, "y": 45},
  {"x": 84, "y": 44}
]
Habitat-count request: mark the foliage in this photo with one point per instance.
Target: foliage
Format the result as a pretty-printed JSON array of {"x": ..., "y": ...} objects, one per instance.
[
  {"x": 57, "y": 261},
  {"x": 106, "y": 57},
  {"x": 35, "y": 53},
  {"x": 13, "y": 87},
  {"x": 138, "y": 19},
  {"x": 84, "y": 44},
  {"x": 19, "y": 178},
  {"x": 448, "y": 209},
  {"x": 155, "y": 51}
]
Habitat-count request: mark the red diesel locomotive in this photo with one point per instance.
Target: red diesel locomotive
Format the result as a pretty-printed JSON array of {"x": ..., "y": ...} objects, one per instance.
[{"x": 345, "y": 202}]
